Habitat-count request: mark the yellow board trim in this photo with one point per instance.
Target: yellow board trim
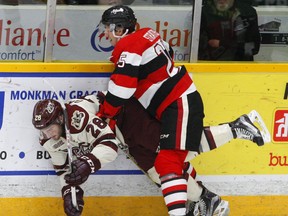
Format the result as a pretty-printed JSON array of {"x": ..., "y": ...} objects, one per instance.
[
  {"x": 142, "y": 206},
  {"x": 108, "y": 67}
]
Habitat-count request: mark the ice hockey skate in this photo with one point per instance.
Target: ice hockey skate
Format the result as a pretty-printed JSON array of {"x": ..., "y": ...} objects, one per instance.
[
  {"x": 210, "y": 204},
  {"x": 243, "y": 128},
  {"x": 190, "y": 206}
]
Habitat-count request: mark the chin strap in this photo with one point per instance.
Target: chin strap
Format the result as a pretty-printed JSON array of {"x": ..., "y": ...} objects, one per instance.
[{"x": 121, "y": 36}]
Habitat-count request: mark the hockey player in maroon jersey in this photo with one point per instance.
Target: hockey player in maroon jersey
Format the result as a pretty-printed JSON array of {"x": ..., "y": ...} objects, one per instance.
[
  {"x": 93, "y": 143},
  {"x": 144, "y": 69}
]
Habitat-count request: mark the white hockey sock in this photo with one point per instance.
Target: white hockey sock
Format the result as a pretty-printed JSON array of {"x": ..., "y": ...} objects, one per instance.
[
  {"x": 194, "y": 190},
  {"x": 215, "y": 136}
]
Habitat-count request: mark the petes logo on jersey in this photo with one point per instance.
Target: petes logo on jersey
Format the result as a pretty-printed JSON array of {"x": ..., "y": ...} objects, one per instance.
[
  {"x": 77, "y": 119},
  {"x": 280, "y": 131}
]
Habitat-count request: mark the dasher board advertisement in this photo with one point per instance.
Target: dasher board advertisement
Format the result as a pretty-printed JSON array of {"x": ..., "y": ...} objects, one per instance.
[
  {"x": 25, "y": 167},
  {"x": 77, "y": 35},
  {"x": 239, "y": 167}
]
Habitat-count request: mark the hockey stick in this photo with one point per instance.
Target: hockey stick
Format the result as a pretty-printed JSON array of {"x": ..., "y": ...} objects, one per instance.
[
  {"x": 68, "y": 136},
  {"x": 254, "y": 116}
]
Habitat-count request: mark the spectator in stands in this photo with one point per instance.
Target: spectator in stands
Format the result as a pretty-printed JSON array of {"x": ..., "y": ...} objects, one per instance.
[{"x": 229, "y": 31}]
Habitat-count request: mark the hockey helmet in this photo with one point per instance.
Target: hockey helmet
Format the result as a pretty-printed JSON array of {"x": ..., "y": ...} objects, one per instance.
[
  {"x": 120, "y": 16},
  {"x": 45, "y": 113}
]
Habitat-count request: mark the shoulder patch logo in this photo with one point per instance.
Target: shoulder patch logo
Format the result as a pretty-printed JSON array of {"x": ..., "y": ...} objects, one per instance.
[{"x": 77, "y": 119}]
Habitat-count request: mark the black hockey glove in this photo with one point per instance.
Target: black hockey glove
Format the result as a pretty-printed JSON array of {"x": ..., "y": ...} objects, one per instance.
[
  {"x": 81, "y": 169},
  {"x": 69, "y": 209}
]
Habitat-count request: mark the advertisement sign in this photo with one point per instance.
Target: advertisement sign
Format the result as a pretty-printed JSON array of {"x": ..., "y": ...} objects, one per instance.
[
  {"x": 273, "y": 27},
  {"x": 239, "y": 167},
  {"x": 77, "y": 35},
  {"x": 257, "y": 170},
  {"x": 25, "y": 165},
  {"x": 21, "y": 35}
]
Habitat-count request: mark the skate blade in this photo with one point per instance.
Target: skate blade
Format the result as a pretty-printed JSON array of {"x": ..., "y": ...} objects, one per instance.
[
  {"x": 196, "y": 210},
  {"x": 222, "y": 209},
  {"x": 254, "y": 116}
]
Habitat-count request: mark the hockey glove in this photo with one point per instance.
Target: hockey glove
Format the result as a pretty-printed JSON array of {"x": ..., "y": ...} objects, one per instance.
[
  {"x": 81, "y": 169},
  {"x": 100, "y": 96},
  {"x": 69, "y": 209}
]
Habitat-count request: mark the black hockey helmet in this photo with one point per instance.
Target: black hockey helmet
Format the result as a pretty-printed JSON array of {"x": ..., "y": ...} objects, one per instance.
[
  {"x": 121, "y": 16},
  {"x": 45, "y": 113}
]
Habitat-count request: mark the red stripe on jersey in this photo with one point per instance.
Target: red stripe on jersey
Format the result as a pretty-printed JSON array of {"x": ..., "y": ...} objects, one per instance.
[
  {"x": 142, "y": 88},
  {"x": 159, "y": 75},
  {"x": 124, "y": 80},
  {"x": 145, "y": 84},
  {"x": 177, "y": 91},
  {"x": 108, "y": 111},
  {"x": 179, "y": 124}
]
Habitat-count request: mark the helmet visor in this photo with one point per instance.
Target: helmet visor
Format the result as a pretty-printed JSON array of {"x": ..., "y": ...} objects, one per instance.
[{"x": 108, "y": 26}]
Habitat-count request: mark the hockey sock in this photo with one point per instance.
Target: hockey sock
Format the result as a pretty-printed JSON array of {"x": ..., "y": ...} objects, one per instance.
[
  {"x": 174, "y": 190},
  {"x": 215, "y": 136},
  {"x": 189, "y": 170}
]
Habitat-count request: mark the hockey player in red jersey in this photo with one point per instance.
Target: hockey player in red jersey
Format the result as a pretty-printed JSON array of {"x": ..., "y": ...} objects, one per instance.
[
  {"x": 144, "y": 69},
  {"x": 139, "y": 132}
]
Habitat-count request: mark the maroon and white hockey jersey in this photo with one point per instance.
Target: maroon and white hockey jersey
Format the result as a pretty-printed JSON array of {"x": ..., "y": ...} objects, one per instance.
[
  {"x": 89, "y": 134},
  {"x": 145, "y": 69}
]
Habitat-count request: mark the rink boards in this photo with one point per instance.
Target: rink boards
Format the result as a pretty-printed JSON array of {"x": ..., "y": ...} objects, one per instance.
[{"x": 240, "y": 168}]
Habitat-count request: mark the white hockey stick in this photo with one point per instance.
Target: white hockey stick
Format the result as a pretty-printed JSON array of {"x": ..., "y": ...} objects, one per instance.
[
  {"x": 254, "y": 116},
  {"x": 68, "y": 136}
]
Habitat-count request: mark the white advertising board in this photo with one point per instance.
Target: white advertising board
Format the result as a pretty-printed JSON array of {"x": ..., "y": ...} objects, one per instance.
[
  {"x": 273, "y": 27},
  {"x": 77, "y": 35},
  {"x": 25, "y": 167}
]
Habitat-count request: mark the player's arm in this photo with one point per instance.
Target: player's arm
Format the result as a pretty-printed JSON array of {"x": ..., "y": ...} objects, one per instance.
[
  {"x": 103, "y": 150},
  {"x": 122, "y": 84},
  {"x": 57, "y": 150}
]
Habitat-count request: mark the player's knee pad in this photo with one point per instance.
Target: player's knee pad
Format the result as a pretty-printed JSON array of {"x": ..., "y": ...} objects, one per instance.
[{"x": 170, "y": 161}]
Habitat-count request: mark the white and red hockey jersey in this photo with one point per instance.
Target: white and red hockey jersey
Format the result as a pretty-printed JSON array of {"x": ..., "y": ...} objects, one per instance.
[
  {"x": 88, "y": 134},
  {"x": 145, "y": 69}
]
